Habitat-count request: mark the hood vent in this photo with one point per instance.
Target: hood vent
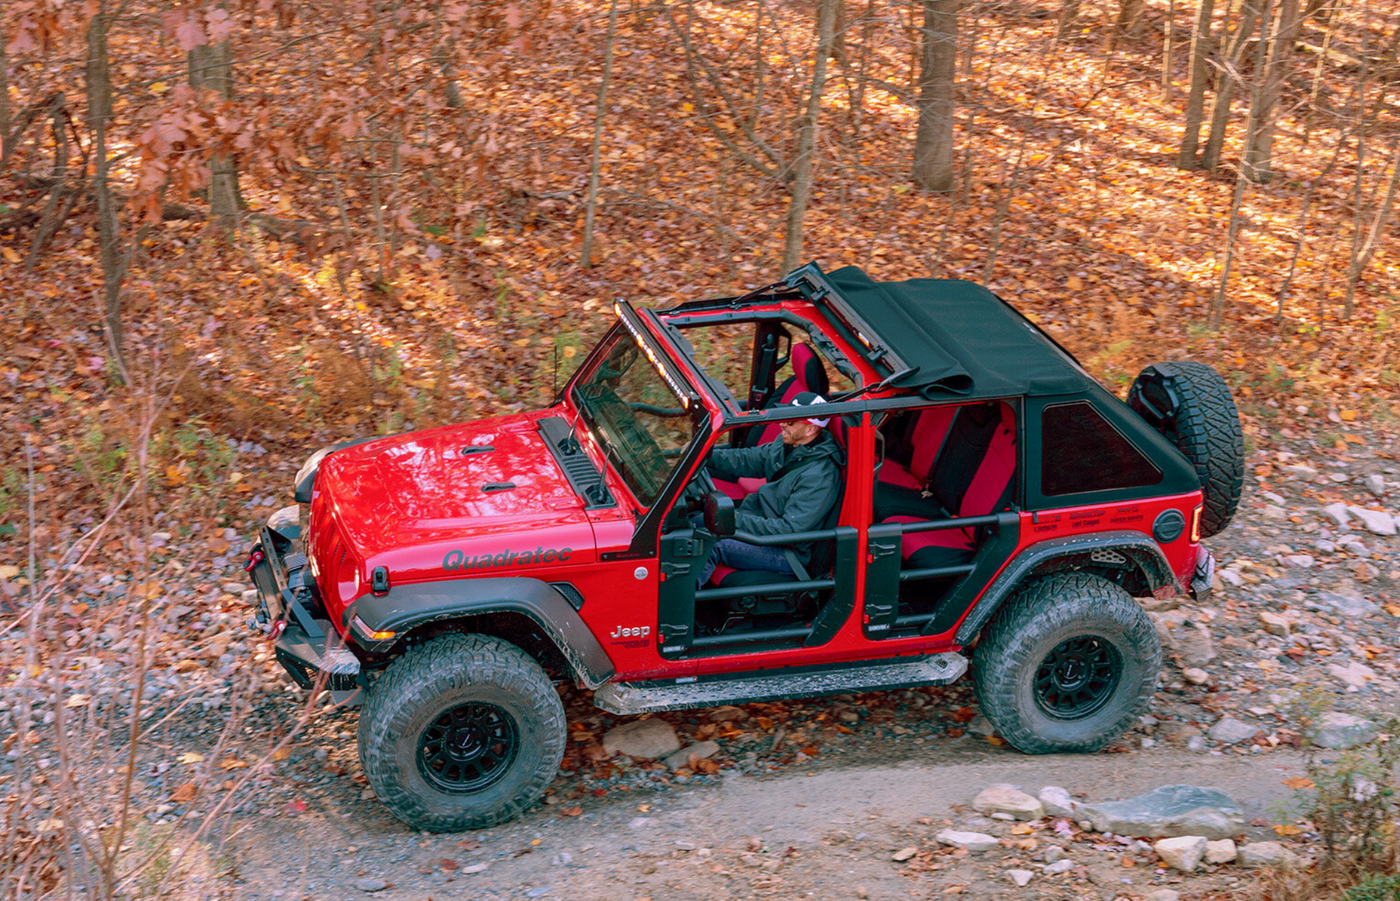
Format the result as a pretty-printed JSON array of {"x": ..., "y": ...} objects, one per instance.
[{"x": 583, "y": 477}]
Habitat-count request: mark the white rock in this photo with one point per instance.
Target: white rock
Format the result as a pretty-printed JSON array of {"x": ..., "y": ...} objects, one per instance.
[
  {"x": 1195, "y": 675},
  {"x": 1266, "y": 854},
  {"x": 1230, "y": 730},
  {"x": 972, "y": 841},
  {"x": 642, "y": 738},
  {"x": 1339, "y": 512},
  {"x": 1163, "y": 894},
  {"x": 1377, "y": 521},
  {"x": 1058, "y": 867},
  {"x": 1354, "y": 674},
  {"x": 1276, "y": 624},
  {"x": 1232, "y": 576},
  {"x": 1184, "y": 853},
  {"x": 1275, "y": 513},
  {"x": 701, "y": 749},
  {"x": 1008, "y": 799},
  {"x": 1058, "y": 803},
  {"x": 1020, "y": 877},
  {"x": 1375, "y": 484},
  {"x": 1221, "y": 851},
  {"x": 1301, "y": 561},
  {"x": 1301, "y": 471}
]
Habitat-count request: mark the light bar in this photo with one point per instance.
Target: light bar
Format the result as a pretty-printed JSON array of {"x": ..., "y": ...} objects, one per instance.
[{"x": 646, "y": 349}]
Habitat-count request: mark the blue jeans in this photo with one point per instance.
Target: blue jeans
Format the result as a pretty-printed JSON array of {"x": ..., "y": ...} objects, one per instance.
[{"x": 738, "y": 554}]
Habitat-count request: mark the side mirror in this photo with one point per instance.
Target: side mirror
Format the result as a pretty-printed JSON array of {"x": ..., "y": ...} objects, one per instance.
[{"x": 719, "y": 513}]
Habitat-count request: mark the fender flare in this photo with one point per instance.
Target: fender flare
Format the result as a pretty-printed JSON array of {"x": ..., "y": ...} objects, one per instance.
[
  {"x": 1136, "y": 546},
  {"x": 406, "y": 607}
]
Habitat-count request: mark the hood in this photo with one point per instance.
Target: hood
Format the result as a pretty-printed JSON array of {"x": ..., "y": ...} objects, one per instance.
[{"x": 424, "y": 502}]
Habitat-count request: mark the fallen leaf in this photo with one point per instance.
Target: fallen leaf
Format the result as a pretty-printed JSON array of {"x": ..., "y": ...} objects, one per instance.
[
  {"x": 571, "y": 811},
  {"x": 9, "y": 571},
  {"x": 77, "y": 701},
  {"x": 184, "y": 793},
  {"x": 281, "y": 753},
  {"x": 190, "y": 757},
  {"x": 1299, "y": 783},
  {"x": 231, "y": 763},
  {"x": 1287, "y": 829}
]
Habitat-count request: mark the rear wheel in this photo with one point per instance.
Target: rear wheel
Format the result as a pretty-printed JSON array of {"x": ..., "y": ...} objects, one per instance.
[
  {"x": 1191, "y": 405},
  {"x": 1068, "y": 664},
  {"x": 463, "y": 732}
]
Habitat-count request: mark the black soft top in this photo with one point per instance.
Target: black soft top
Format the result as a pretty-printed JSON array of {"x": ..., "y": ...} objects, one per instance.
[{"x": 963, "y": 339}]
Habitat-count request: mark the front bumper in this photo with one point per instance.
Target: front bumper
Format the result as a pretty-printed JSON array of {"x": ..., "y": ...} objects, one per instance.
[{"x": 307, "y": 646}]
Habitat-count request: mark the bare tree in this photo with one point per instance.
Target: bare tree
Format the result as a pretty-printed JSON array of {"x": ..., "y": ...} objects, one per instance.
[
  {"x": 807, "y": 138},
  {"x": 4, "y": 90},
  {"x": 594, "y": 167},
  {"x": 1069, "y": 15},
  {"x": 99, "y": 100},
  {"x": 1168, "y": 34},
  {"x": 1196, "y": 98},
  {"x": 1362, "y": 254},
  {"x": 933, "y": 143},
  {"x": 1259, "y": 143},
  {"x": 211, "y": 68},
  {"x": 1229, "y": 80},
  {"x": 1127, "y": 21}
]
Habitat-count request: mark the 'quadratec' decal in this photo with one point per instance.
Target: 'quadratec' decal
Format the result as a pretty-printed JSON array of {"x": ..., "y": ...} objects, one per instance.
[{"x": 456, "y": 560}]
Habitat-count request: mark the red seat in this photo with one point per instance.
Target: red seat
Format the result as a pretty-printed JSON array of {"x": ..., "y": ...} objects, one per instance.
[
  {"x": 808, "y": 374},
  {"x": 929, "y": 432}
]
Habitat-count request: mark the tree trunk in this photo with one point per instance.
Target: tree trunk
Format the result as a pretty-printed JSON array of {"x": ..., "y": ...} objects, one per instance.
[
  {"x": 933, "y": 143},
  {"x": 1069, "y": 15},
  {"x": 807, "y": 138},
  {"x": 586, "y": 256},
  {"x": 1168, "y": 33},
  {"x": 1196, "y": 99},
  {"x": 211, "y": 68},
  {"x": 4, "y": 92},
  {"x": 99, "y": 100},
  {"x": 1379, "y": 224},
  {"x": 1229, "y": 79},
  {"x": 1259, "y": 143},
  {"x": 1126, "y": 24}
]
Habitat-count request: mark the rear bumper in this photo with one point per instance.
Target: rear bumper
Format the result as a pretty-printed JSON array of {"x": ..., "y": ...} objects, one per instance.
[
  {"x": 307, "y": 646},
  {"x": 1203, "y": 577}
]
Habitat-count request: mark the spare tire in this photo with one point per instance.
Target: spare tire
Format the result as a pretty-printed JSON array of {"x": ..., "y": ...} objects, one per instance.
[{"x": 1191, "y": 405}]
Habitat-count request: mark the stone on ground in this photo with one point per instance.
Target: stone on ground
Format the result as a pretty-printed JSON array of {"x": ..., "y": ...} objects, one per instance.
[
  {"x": 649, "y": 738},
  {"x": 1020, "y": 877},
  {"x": 1163, "y": 894},
  {"x": 1230, "y": 731},
  {"x": 1222, "y": 851},
  {"x": 1266, "y": 854},
  {"x": 1339, "y": 731},
  {"x": 1377, "y": 522},
  {"x": 1195, "y": 675},
  {"x": 701, "y": 749},
  {"x": 1355, "y": 674},
  {"x": 1058, "y": 803},
  {"x": 1184, "y": 852},
  {"x": 1276, "y": 624},
  {"x": 1058, "y": 867},
  {"x": 1347, "y": 604},
  {"x": 1010, "y": 800},
  {"x": 1339, "y": 512},
  {"x": 972, "y": 841},
  {"x": 1172, "y": 810},
  {"x": 1375, "y": 484},
  {"x": 904, "y": 854},
  {"x": 371, "y": 884}
]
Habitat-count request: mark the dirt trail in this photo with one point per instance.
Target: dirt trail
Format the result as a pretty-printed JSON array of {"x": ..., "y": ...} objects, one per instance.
[{"x": 829, "y": 831}]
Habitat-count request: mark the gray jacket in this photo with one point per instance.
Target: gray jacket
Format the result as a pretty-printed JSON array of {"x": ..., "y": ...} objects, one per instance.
[{"x": 804, "y": 483}]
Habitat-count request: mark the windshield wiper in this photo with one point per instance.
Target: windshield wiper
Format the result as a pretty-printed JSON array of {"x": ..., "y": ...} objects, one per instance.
[{"x": 881, "y": 385}]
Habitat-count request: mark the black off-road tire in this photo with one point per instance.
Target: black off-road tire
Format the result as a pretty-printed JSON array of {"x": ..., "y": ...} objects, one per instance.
[
  {"x": 509, "y": 708},
  {"x": 1038, "y": 635},
  {"x": 1204, "y": 424}
]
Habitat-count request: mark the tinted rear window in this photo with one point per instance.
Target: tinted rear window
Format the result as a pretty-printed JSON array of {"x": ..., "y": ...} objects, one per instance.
[{"x": 1081, "y": 451}]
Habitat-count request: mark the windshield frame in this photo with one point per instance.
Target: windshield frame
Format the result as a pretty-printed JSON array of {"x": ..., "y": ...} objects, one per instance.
[{"x": 657, "y": 355}]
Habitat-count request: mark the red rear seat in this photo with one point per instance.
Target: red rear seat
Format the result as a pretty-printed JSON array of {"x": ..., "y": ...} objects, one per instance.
[{"x": 929, "y": 432}]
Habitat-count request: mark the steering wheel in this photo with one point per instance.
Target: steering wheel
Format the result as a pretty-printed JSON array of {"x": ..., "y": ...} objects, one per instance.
[{"x": 699, "y": 485}]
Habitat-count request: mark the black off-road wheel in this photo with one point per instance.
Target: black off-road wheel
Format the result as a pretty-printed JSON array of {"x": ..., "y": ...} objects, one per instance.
[
  {"x": 1191, "y": 405},
  {"x": 1068, "y": 664},
  {"x": 463, "y": 732}
]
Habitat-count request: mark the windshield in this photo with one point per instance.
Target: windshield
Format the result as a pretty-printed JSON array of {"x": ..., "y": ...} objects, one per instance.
[{"x": 642, "y": 424}]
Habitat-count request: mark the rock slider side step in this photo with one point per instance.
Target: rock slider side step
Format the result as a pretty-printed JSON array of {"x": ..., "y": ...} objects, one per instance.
[{"x": 627, "y": 698}]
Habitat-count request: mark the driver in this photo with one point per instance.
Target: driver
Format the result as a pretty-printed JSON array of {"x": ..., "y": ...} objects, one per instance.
[{"x": 804, "y": 478}]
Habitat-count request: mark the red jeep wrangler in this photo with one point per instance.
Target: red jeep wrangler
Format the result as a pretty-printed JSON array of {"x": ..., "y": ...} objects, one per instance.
[{"x": 450, "y": 574}]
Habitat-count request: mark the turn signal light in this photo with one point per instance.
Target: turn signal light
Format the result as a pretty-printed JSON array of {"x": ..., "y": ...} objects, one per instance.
[
  {"x": 1196, "y": 524},
  {"x": 370, "y": 633}
]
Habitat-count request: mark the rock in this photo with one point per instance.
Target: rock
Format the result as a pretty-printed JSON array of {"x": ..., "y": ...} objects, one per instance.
[
  {"x": 1347, "y": 604},
  {"x": 1195, "y": 675},
  {"x": 1222, "y": 851},
  {"x": 1232, "y": 576},
  {"x": 1266, "y": 854},
  {"x": 1008, "y": 799},
  {"x": 1339, "y": 512},
  {"x": 473, "y": 868},
  {"x": 1364, "y": 572},
  {"x": 371, "y": 884},
  {"x": 1301, "y": 471},
  {"x": 1230, "y": 730},
  {"x": 1020, "y": 877},
  {"x": 1196, "y": 743},
  {"x": 1162, "y": 894},
  {"x": 701, "y": 749},
  {"x": 1053, "y": 853},
  {"x": 1195, "y": 645},
  {"x": 1375, "y": 484},
  {"x": 1184, "y": 853},
  {"x": 904, "y": 854},
  {"x": 1339, "y": 731},
  {"x": 1378, "y": 522},
  {"x": 1172, "y": 810},
  {"x": 1275, "y": 513},
  {"x": 1276, "y": 624},
  {"x": 980, "y": 725},
  {"x": 650, "y": 738},
  {"x": 1058, "y": 803},
  {"x": 848, "y": 716},
  {"x": 972, "y": 841},
  {"x": 728, "y": 712},
  {"x": 1355, "y": 674},
  {"x": 1301, "y": 561},
  {"x": 1058, "y": 867}
]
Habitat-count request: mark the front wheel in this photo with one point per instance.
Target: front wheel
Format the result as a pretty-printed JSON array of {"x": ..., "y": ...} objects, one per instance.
[
  {"x": 463, "y": 732},
  {"x": 1068, "y": 665}
]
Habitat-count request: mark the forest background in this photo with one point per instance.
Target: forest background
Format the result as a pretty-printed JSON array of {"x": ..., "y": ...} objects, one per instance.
[{"x": 233, "y": 230}]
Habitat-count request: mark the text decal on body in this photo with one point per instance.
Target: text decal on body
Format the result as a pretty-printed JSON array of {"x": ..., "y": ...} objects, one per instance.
[{"x": 455, "y": 560}]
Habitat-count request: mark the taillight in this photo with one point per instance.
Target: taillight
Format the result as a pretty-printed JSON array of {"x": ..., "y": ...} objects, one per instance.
[{"x": 1196, "y": 524}]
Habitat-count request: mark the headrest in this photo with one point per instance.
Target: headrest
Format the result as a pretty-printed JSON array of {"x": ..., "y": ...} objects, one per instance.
[{"x": 807, "y": 368}]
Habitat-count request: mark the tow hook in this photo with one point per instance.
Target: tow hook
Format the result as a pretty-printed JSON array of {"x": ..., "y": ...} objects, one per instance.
[{"x": 254, "y": 559}]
